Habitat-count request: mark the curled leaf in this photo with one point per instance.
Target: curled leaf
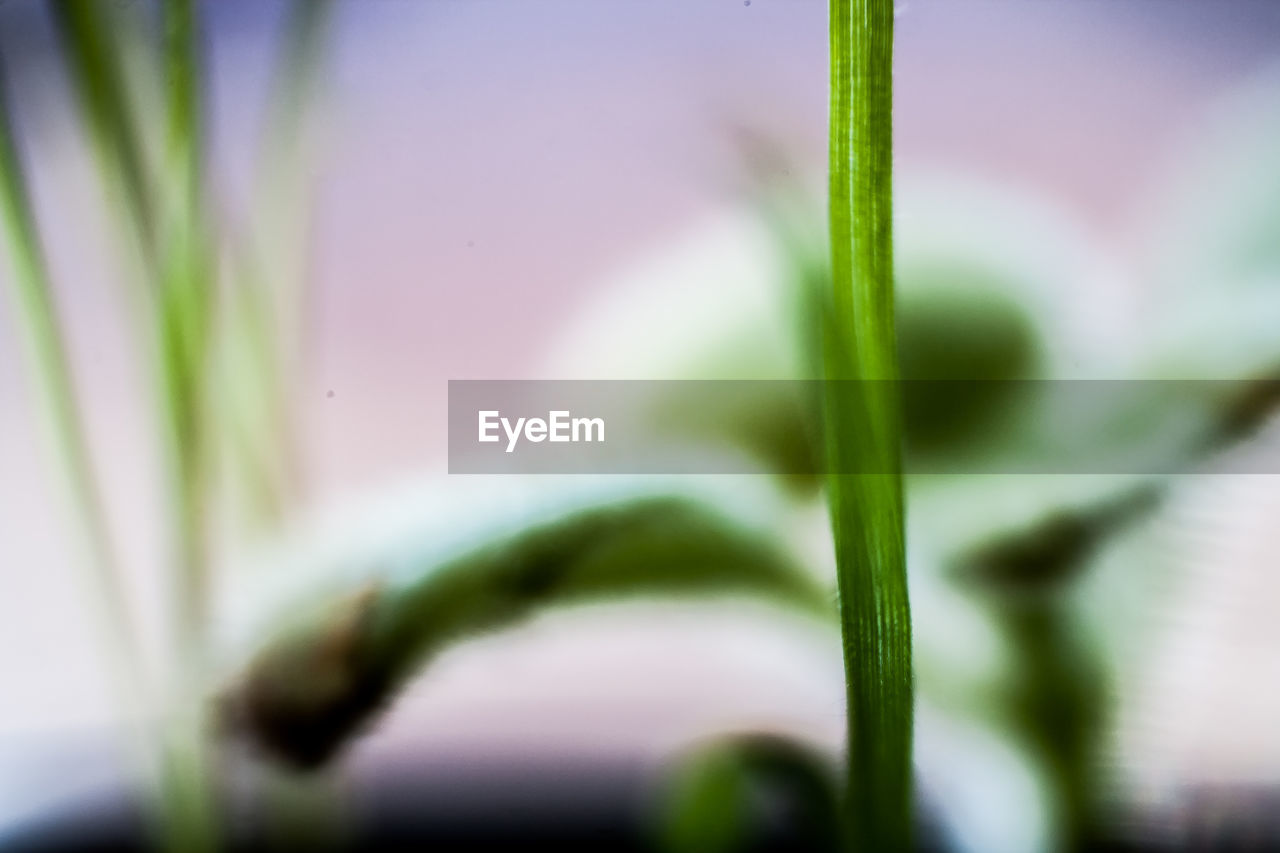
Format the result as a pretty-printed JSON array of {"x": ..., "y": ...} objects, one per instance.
[{"x": 311, "y": 690}]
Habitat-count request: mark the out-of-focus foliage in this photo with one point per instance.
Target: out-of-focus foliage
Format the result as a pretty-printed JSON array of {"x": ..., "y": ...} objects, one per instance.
[
  {"x": 993, "y": 284},
  {"x": 957, "y": 334},
  {"x": 308, "y": 692},
  {"x": 747, "y": 793},
  {"x": 145, "y": 117}
]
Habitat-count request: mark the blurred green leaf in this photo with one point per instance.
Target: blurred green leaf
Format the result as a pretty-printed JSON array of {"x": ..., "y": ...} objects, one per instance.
[
  {"x": 92, "y": 54},
  {"x": 967, "y": 343},
  {"x": 1055, "y": 548},
  {"x": 747, "y": 792},
  {"x": 311, "y": 690},
  {"x": 708, "y": 809},
  {"x": 39, "y": 314}
]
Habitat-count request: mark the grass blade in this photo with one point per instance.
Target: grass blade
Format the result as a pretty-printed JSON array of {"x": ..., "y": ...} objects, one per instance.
[
  {"x": 863, "y": 428},
  {"x": 186, "y": 331},
  {"x": 305, "y": 28},
  {"x": 269, "y": 293},
  {"x": 98, "y": 79},
  {"x": 34, "y": 291},
  {"x": 186, "y": 317}
]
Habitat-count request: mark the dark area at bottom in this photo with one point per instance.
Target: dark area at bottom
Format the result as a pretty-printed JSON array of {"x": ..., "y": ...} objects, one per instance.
[{"x": 574, "y": 805}]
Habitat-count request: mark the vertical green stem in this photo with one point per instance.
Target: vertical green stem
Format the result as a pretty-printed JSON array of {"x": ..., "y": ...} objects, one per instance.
[
  {"x": 34, "y": 292},
  {"x": 98, "y": 79},
  {"x": 186, "y": 328},
  {"x": 276, "y": 314},
  {"x": 185, "y": 325},
  {"x": 862, "y": 425}
]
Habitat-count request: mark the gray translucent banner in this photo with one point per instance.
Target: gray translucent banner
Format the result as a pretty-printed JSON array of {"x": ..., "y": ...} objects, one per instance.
[{"x": 950, "y": 426}]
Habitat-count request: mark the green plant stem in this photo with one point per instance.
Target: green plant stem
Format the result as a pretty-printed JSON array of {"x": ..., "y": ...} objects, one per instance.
[
  {"x": 265, "y": 308},
  {"x": 260, "y": 416},
  {"x": 181, "y": 817},
  {"x": 305, "y": 29},
  {"x": 34, "y": 292},
  {"x": 274, "y": 316},
  {"x": 863, "y": 427},
  {"x": 98, "y": 79},
  {"x": 186, "y": 328},
  {"x": 186, "y": 324}
]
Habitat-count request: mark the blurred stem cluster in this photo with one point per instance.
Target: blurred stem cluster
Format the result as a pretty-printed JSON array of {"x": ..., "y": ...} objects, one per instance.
[{"x": 157, "y": 176}]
